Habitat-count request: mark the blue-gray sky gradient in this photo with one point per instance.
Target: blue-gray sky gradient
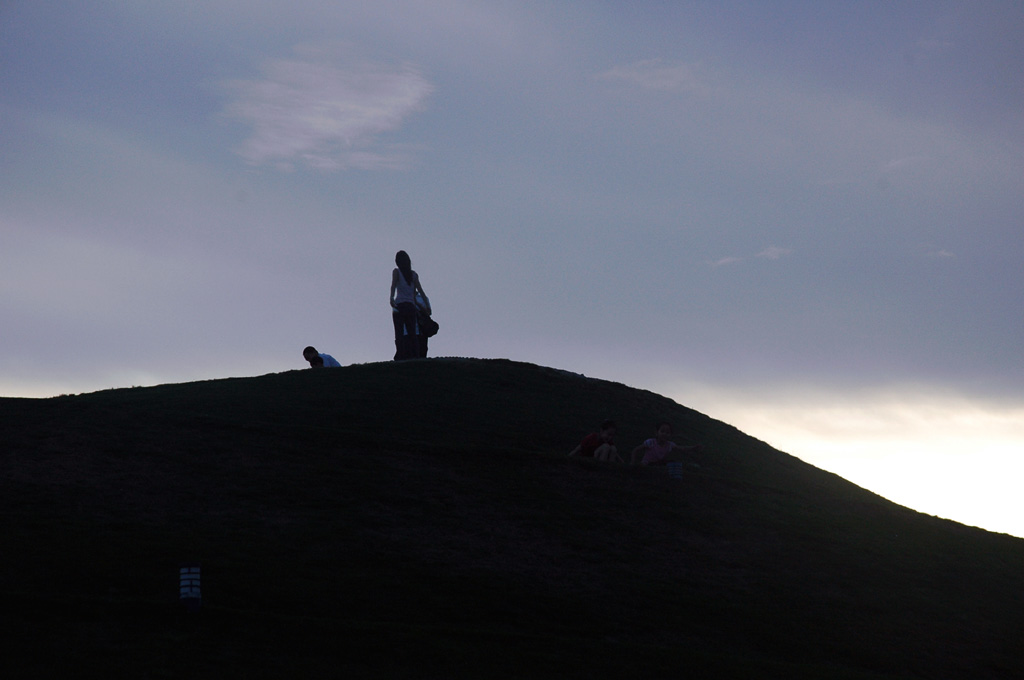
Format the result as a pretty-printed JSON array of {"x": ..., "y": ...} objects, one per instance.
[{"x": 759, "y": 197}]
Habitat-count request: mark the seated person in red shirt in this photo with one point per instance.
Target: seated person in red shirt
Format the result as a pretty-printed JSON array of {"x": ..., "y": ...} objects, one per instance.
[{"x": 599, "y": 445}]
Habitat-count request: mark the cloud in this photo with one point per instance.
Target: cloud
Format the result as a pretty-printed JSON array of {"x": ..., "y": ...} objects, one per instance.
[
  {"x": 753, "y": 120},
  {"x": 656, "y": 74},
  {"x": 927, "y": 49},
  {"x": 904, "y": 162},
  {"x": 769, "y": 253},
  {"x": 327, "y": 116},
  {"x": 773, "y": 253}
]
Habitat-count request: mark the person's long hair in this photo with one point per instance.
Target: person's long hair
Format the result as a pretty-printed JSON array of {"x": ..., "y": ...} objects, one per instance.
[{"x": 404, "y": 263}]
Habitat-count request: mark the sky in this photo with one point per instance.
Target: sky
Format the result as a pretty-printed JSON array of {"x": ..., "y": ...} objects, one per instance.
[{"x": 801, "y": 218}]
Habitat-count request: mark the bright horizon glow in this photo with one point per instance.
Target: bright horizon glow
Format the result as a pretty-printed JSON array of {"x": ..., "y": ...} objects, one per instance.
[{"x": 933, "y": 453}]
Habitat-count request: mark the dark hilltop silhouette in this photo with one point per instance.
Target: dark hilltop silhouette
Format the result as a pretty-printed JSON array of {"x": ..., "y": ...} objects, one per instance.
[{"x": 421, "y": 519}]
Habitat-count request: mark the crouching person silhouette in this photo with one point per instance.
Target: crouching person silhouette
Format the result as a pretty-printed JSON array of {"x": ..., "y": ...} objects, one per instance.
[{"x": 319, "y": 360}]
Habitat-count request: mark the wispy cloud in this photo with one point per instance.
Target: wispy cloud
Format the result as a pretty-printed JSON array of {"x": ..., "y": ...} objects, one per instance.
[
  {"x": 769, "y": 253},
  {"x": 325, "y": 115},
  {"x": 929, "y": 48},
  {"x": 773, "y": 253},
  {"x": 903, "y": 162},
  {"x": 657, "y": 74}
]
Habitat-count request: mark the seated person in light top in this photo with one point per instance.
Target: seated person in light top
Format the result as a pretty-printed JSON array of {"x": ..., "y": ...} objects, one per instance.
[
  {"x": 599, "y": 445},
  {"x": 318, "y": 360},
  {"x": 659, "y": 450}
]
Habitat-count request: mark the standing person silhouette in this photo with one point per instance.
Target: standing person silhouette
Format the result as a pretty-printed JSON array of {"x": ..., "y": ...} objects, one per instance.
[
  {"x": 405, "y": 285},
  {"x": 421, "y": 333}
]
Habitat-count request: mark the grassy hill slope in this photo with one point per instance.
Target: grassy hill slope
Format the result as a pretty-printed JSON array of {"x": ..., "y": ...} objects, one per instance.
[{"x": 421, "y": 519}]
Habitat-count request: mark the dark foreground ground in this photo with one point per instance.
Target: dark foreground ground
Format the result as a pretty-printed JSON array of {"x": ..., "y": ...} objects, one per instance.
[{"x": 422, "y": 520}]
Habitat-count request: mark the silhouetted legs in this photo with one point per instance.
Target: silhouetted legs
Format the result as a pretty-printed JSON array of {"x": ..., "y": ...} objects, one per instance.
[{"x": 405, "y": 342}]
